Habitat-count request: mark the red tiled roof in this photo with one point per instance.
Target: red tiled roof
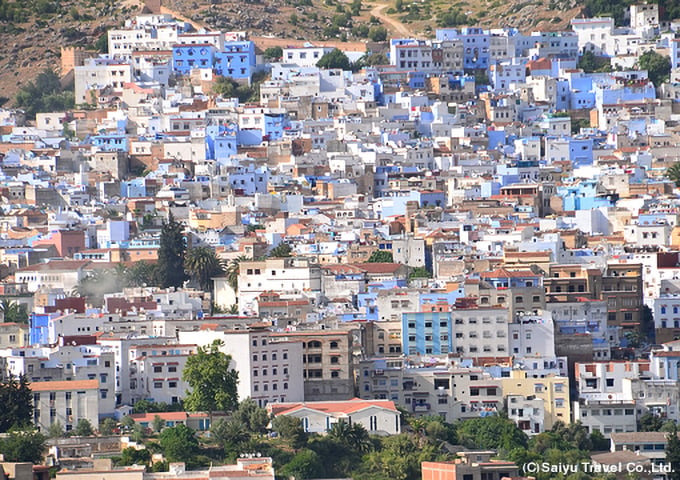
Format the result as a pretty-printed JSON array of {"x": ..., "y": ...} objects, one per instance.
[
  {"x": 64, "y": 385},
  {"x": 167, "y": 416},
  {"x": 346, "y": 406}
]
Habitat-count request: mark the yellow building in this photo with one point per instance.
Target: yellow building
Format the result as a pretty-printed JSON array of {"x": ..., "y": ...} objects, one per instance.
[
  {"x": 553, "y": 390},
  {"x": 13, "y": 335},
  {"x": 203, "y": 220}
]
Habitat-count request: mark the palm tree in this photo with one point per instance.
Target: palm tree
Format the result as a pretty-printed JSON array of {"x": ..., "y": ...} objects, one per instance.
[
  {"x": 202, "y": 264},
  {"x": 232, "y": 271},
  {"x": 673, "y": 173},
  {"x": 13, "y": 311},
  {"x": 353, "y": 436}
]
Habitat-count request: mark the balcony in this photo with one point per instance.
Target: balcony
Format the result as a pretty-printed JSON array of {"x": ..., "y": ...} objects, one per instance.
[{"x": 421, "y": 408}]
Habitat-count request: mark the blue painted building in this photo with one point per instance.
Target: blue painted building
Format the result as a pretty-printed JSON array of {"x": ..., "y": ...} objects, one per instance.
[
  {"x": 237, "y": 60},
  {"x": 585, "y": 195},
  {"x": 111, "y": 143},
  {"x": 186, "y": 57},
  {"x": 476, "y": 43},
  {"x": 426, "y": 333},
  {"x": 135, "y": 188},
  {"x": 221, "y": 142}
]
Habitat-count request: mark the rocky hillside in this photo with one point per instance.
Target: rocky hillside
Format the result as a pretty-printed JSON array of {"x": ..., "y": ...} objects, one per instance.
[{"x": 33, "y": 32}]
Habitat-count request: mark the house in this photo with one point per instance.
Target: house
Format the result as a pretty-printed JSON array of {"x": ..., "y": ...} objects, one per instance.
[
  {"x": 197, "y": 421},
  {"x": 377, "y": 416}
]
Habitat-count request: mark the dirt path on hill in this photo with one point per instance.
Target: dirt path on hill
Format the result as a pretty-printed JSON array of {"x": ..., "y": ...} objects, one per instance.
[{"x": 392, "y": 24}]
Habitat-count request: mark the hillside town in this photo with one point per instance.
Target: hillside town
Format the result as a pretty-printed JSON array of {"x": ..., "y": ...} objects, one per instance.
[{"x": 479, "y": 227}]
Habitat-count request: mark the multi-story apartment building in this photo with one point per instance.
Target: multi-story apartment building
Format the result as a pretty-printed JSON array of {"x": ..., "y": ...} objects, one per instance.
[
  {"x": 155, "y": 372},
  {"x": 622, "y": 290},
  {"x": 67, "y": 402},
  {"x": 552, "y": 391},
  {"x": 470, "y": 332},
  {"x": 327, "y": 362},
  {"x": 270, "y": 367},
  {"x": 605, "y": 400}
]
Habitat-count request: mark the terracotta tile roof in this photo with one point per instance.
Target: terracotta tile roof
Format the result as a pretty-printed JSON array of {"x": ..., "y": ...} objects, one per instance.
[
  {"x": 64, "y": 385},
  {"x": 167, "y": 416},
  {"x": 342, "y": 407}
]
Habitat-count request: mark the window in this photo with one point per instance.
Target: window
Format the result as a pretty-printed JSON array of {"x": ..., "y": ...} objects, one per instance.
[
  {"x": 157, "y": 369},
  {"x": 157, "y": 384}
]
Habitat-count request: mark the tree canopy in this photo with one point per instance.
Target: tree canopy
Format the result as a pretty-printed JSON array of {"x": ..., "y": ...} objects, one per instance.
[
  {"x": 170, "y": 266},
  {"x": 17, "y": 403},
  {"x": 334, "y": 59},
  {"x": 380, "y": 256},
  {"x": 44, "y": 94},
  {"x": 202, "y": 263},
  {"x": 179, "y": 443},
  {"x": 212, "y": 380},
  {"x": 658, "y": 66},
  {"x": 23, "y": 446}
]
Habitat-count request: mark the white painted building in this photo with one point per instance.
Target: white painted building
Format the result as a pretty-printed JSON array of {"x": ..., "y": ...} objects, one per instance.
[{"x": 269, "y": 372}]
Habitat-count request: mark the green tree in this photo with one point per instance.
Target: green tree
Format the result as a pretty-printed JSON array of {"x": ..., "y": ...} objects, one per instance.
[
  {"x": 233, "y": 269},
  {"x": 419, "y": 272},
  {"x": 334, "y": 59},
  {"x": 140, "y": 274},
  {"x": 171, "y": 254},
  {"x": 658, "y": 66},
  {"x": 232, "y": 435},
  {"x": 157, "y": 423},
  {"x": 493, "y": 433},
  {"x": 254, "y": 417},
  {"x": 355, "y": 436},
  {"x": 132, "y": 456},
  {"x": 293, "y": 19},
  {"x": 599, "y": 442},
  {"x": 380, "y": 256},
  {"x": 127, "y": 423},
  {"x": 17, "y": 403},
  {"x": 202, "y": 263},
  {"x": 281, "y": 250},
  {"x": 107, "y": 426},
  {"x": 179, "y": 443},
  {"x": 83, "y": 428},
  {"x": 377, "y": 34},
  {"x": 273, "y": 53},
  {"x": 14, "y": 312},
  {"x": 590, "y": 63},
  {"x": 102, "y": 43},
  {"x": 648, "y": 422},
  {"x": 23, "y": 446},
  {"x": 290, "y": 428},
  {"x": 673, "y": 173},
  {"x": 212, "y": 380},
  {"x": 45, "y": 94},
  {"x": 305, "y": 464},
  {"x": 399, "y": 5},
  {"x": 56, "y": 430},
  {"x": 673, "y": 453},
  {"x": 399, "y": 458}
]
